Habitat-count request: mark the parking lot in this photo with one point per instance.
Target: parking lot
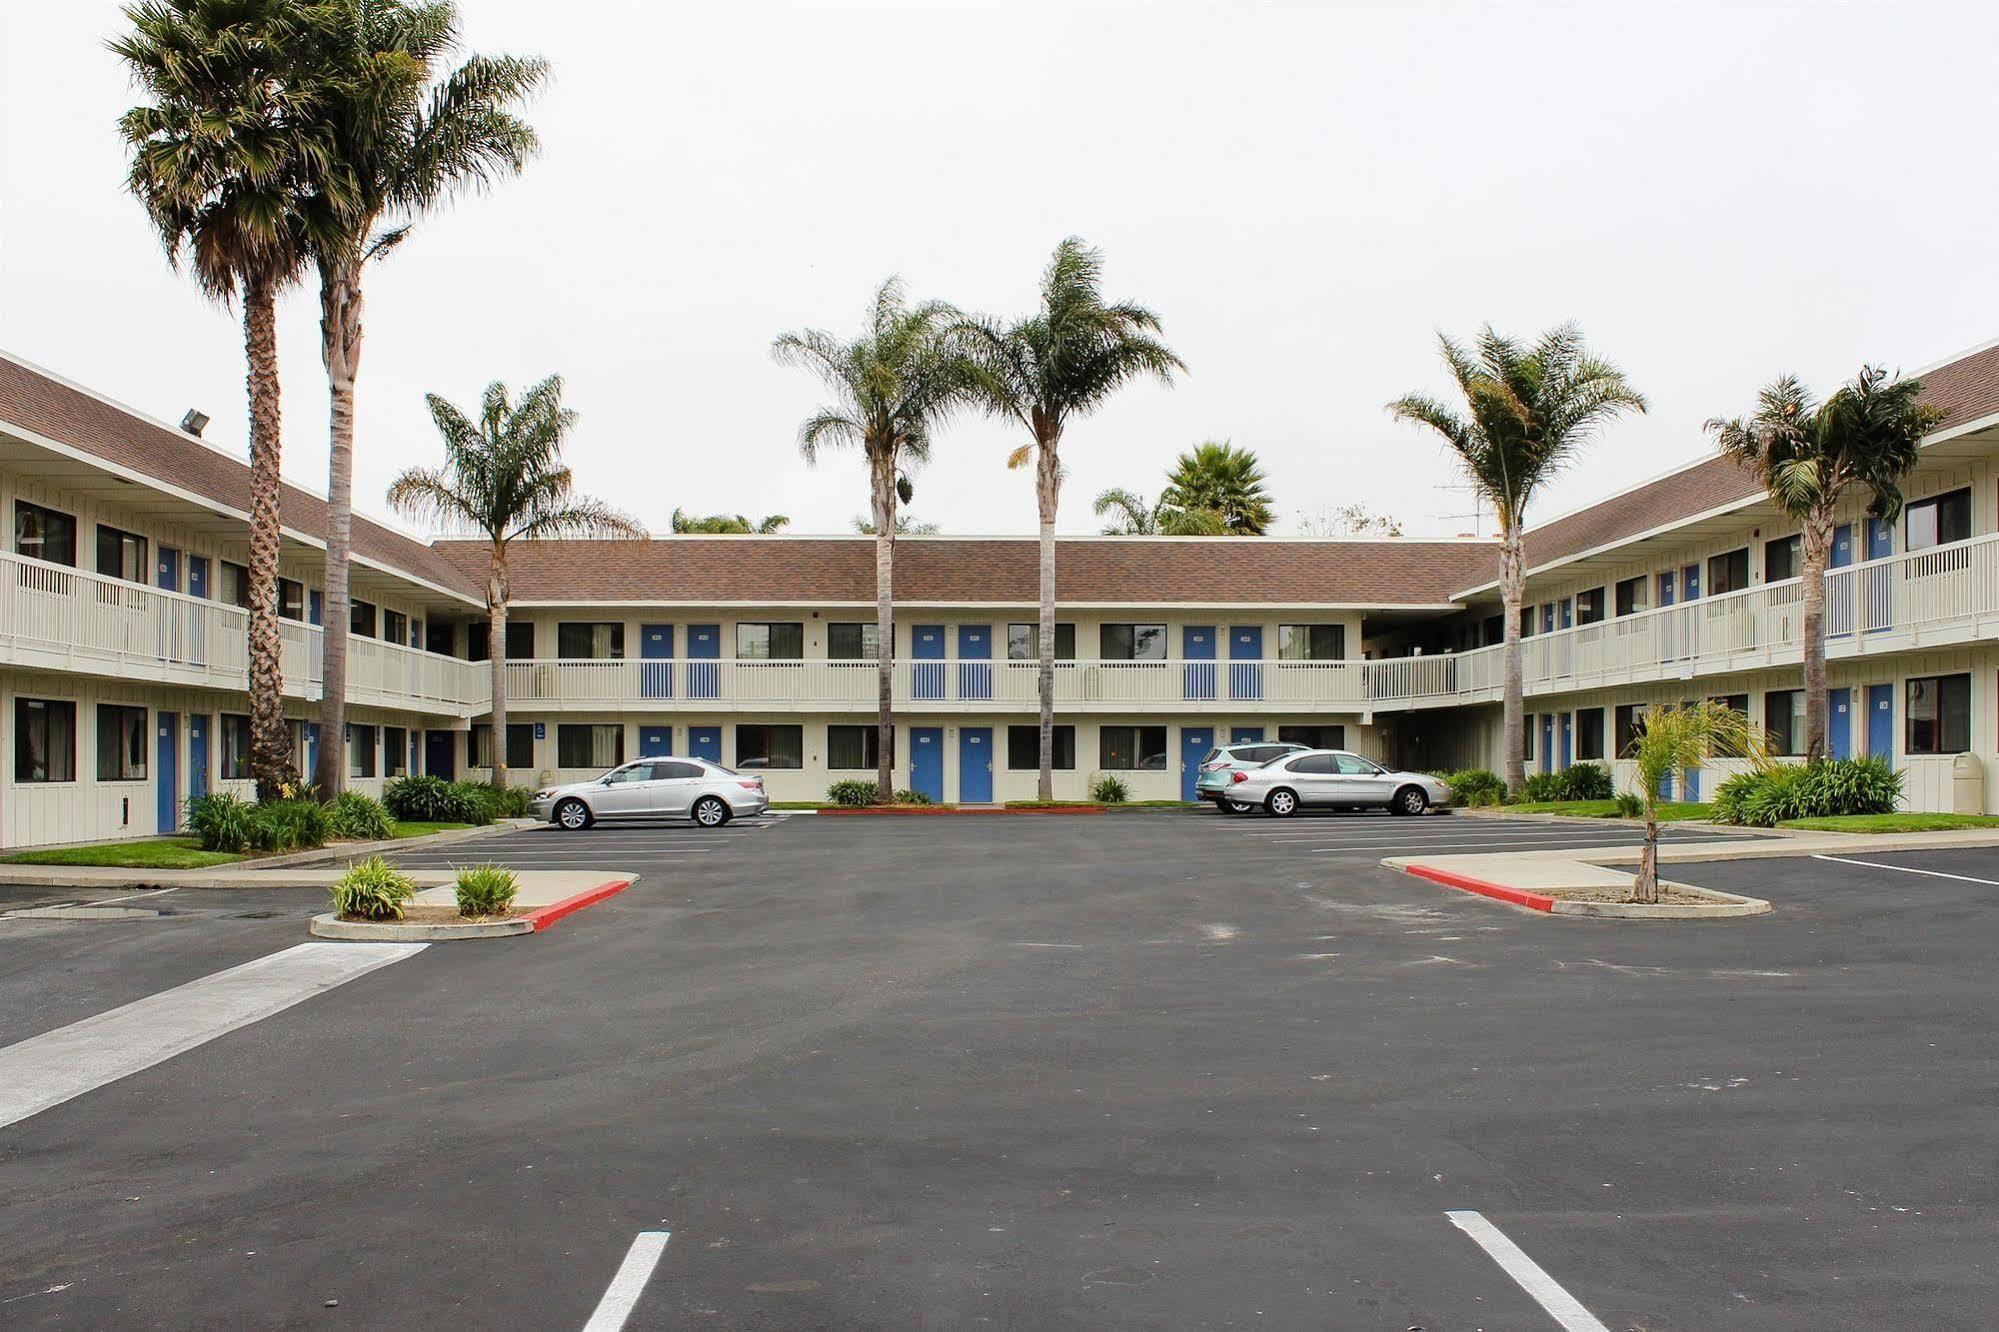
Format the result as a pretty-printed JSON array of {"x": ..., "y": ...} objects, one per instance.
[{"x": 1134, "y": 1070}]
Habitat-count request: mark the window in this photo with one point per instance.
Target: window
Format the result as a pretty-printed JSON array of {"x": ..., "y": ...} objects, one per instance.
[
  {"x": 121, "y": 743},
  {"x": 1736, "y": 703},
  {"x": 1023, "y": 748},
  {"x": 1313, "y": 765},
  {"x": 1627, "y": 717},
  {"x": 520, "y": 745},
  {"x": 1311, "y": 642},
  {"x": 360, "y": 750},
  {"x": 1589, "y": 734},
  {"x": 1495, "y": 629},
  {"x": 1939, "y": 715},
  {"x": 44, "y": 534},
  {"x": 235, "y": 757},
  {"x": 1132, "y": 642},
  {"x": 395, "y": 751},
  {"x": 291, "y": 599},
  {"x": 1937, "y": 521},
  {"x": 235, "y": 585},
  {"x": 1314, "y": 737},
  {"x": 594, "y": 745},
  {"x": 770, "y": 642},
  {"x": 520, "y": 641},
  {"x": 1589, "y": 606},
  {"x": 1783, "y": 558},
  {"x": 854, "y": 747},
  {"x": 770, "y": 746},
  {"x": 396, "y": 628},
  {"x": 1527, "y": 741},
  {"x": 1634, "y": 595},
  {"x": 1728, "y": 572},
  {"x": 601, "y": 641},
  {"x": 44, "y": 740},
  {"x": 1784, "y": 720},
  {"x": 440, "y": 638},
  {"x": 122, "y": 555},
  {"x": 853, "y": 642},
  {"x": 676, "y": 771},
  {"x": 361, "y": 618},
  {"x": 1023, "y": 643},
  {"x": 1127, "y": 748}
]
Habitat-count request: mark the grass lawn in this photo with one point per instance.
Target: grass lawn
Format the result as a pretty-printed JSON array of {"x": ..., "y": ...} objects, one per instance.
[
  {"x": 419, "y": 828},
  {"x": 147, "y": 853},
  {"x": 1893, "y": 823},
  {"x": 1673, "y": 811}
]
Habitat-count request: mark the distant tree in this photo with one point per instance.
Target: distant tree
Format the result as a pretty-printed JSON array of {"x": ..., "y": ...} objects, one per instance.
[
  {"x": 727, "y": 524},
  {"x": 1348, "y": 520},
  {"x": 1671, "y": 740},
  {"x": 1220, "y": 479},
  {"x": 1134, "y": 517},
  {"x": 903, "y": 526}
]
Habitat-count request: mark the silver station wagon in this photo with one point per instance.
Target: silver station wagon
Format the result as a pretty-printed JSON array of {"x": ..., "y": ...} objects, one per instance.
[
  {"x": 1331, "y": 778},
  {"x": 708, "y": 793}
]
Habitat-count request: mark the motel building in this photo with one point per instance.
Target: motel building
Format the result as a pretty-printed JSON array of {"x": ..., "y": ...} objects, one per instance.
[{"x": 123, "y": 636}]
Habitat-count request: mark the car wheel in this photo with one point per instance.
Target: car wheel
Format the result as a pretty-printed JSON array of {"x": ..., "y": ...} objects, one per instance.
[
  {"x": 711, "y": 811},
  {"x": 1237, "y": 807},
  {"x": 1282, "y": 803},
  {"x": 1409, "y": 800},
  {"x": 573, "y": 815}
]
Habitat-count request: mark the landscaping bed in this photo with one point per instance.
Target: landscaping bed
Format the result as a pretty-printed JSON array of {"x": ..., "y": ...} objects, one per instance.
[
  {"x": 166, "y": 853},
  {"x": 1892, "y": 823},
  {"x": 1674, "y": 811}
]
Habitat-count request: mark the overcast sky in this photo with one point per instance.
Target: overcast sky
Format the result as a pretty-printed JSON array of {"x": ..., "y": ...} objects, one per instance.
[{"x": 1306, "y": 193}]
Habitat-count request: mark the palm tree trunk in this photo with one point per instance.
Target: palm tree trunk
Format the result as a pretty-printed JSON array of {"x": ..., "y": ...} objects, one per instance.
[
  {"x": 884, "y": 505},
  {"x": 1646, "y": 889},
  {"x": 340, "y": 349},
  {"x": 270, "y": 743},
  {"x": 496, "y": 601},
  {"x": 1512, "y": 588},
  {"x": 1815, "y": 548},
  {"x": 1047, "y": 494}
]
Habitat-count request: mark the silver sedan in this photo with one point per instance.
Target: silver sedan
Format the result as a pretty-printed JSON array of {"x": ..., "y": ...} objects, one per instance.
[
  {"x": 1332, "y": 778},
  {"x": 708, "y": 793}
]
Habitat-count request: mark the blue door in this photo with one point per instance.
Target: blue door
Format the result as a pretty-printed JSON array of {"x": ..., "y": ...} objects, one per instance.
[
  {"x": 197, "y": 755},
  {"x": 975, "y": 671},
  {"x": 311, "y": 751},
  {"x": 1842, "y": 546},
  {"x": 656, "y": 645},
  {"x": 975, "y": 765},
  {"x": 1245, "y": 735},
  {"x": 1195, "y": 742},
  {"x": 1839, "y": 619},
  {"x": 1881, "y": 721},
  {"x": 1548, "y": 618},
  {"x": 926, "y": 762},
  {"x": 1548, "y": 742},
  {"x": 439, "y": 754},
  {"x": 1246, "y": 661},
  {"x": 197, "y": 575},
  {"x": 1197, "y": 645},
  {"x": 705, "y": 742},
  {"x": 1878, "y": 585},
  {"x": 1566, "y": 739},
  {"x": 1880, "y": 539},
  {"x": 1693, "y": 791},
  {"x": 167, "y": 726},
  {"x": 1668, "y": 585},
  {"x": 704, "y": 678},
  {"x": 926, "y": 650},
  {"x": 168, "y": 562},
  {"x": 1690, "y": 580},
  {"x": 655, "y": 741},
  {"x": 1567, "y": 614},
  {"x": 314, "y": 606},
  {"x": 1839, "y": 722}
]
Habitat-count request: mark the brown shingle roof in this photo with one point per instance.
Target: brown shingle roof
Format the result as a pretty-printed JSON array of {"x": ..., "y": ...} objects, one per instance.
[
  {"x": 1135, "y": 570},
  {"x": 49, "y": 407}
]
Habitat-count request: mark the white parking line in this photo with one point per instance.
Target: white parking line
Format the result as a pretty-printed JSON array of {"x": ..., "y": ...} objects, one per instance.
[
  {"x": 1908, "y": 869},
  {"x": 1564, "y": 1308},
  {"x": 51, "y": 1068},
  {"x": 622, "y": 1296}
]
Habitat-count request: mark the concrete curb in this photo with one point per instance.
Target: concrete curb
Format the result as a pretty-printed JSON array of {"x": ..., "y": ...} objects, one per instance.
[
  {"x": 1714, "y": 906},
  {"x": 329, "y": 926}
]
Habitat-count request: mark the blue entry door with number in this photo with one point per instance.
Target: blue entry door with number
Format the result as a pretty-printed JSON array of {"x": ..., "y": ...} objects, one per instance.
[
  {"x": 975, "y": 764},
  {"x": 975, "y": 670},
  {"x": 1195, "y": 742},
  {"x": 1245, "y": 735},
  {"x": 197, "y": 756},
  {"x": 656, "y": 665},
  {"x": 655, "y": 741},
  {"x": 705, "y": 742},
  {"x": 1197, "y": 645},
  {"x": 1246, "y": 662},
  {"x": 1839, "y": 722},
  {"x": 1881, "y": 722},
  {"x": 926, "y": 762},
  {"x": 704, "y": 647},
  {"x": 167, "y": 728},
  {"x": 926, "y": 668}
]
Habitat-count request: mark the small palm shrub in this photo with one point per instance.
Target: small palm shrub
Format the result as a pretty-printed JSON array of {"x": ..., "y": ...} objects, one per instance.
[
  {"x": 221, "y": 821},
  {"x": 1472, "y": 787},
  {"x": 361, "y": 818},
  {"x": 507, "y": 802},
  {"x": 298, "y": 824},
  {"x": 1542, "y": 787},
  {"x": 423, "y": 799},
  {"x": 1629, "y": 804},
  {"x": 372, "y": 890},
  {"x": 1765, "y": 797},
  {"x": 1586, "y": 781},
  {"x": 486, "y": 890},
  {"x": 851, "y": 793},
  {"x": 1109, "y": 790},
  {"x": 909, "y": 797}
]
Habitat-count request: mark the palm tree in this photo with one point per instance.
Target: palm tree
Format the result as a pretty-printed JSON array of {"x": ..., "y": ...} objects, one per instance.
[
  {"x": 1134, "y": 517},
  {"x": 1528, "y": 413},
  {"x": 1224, "y": 480},
  {"x": 233, "y": 127},
  {"x": 407, "y": 138},
  {"x": 724, "y": 524},
  {"x": 1808, "y": 457},
  {"x": 894, "y": 385},
  {"x": 1061, "y": 362},
  {"x": 1671, "y": 740},
  {"x": 503, "y": 480},
  {"x": 903, "y": 526}
]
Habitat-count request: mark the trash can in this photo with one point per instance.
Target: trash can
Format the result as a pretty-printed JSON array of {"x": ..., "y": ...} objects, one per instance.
[{"x": 1967, "y": 785}]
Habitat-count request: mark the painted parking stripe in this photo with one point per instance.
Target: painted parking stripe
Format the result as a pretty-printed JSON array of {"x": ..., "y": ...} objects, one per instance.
[
  {"x": 1564, "y": 1308},
  {"x": 622, "y": 1296},
  {"x": 1908, "y": 869},
  {"x": 46, "y": 1070}
]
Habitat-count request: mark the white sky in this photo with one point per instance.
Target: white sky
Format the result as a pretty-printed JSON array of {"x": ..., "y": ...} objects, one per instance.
[{"x": 1304, "y": 192}]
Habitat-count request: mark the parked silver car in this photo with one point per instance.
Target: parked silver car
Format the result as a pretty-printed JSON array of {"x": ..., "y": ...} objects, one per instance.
[
  {"x": 1332, "y": 778},
  {"x": 707, "y": 792},
  {"x": 1213, "y": 783}
]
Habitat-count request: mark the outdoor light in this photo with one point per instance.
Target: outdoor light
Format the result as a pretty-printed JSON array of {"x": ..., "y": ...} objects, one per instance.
[{"x": 195, "y": 421}]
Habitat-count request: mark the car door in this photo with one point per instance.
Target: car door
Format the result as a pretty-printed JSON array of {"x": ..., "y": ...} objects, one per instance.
[
  {"x": 1361, "y": 782},
  {"x": 623, "y": 791},
  {"x": 1313, "y": 777},
  {"x": 675, "y": 784}
]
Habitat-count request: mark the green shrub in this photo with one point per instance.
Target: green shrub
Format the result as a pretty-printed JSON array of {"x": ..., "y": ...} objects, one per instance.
[
  {"x": 909, "y": 797},
  {"x": 372, "y": 890},
  {"x": 1765, "y": 797},
  {"x": 1109, "y": 790},
  {"x": 852, "y": 793},
  {"x": 361, "y": 818},
  {"x": 508, "y": 802},
  {"x": 1472, "y": 787},
  {"x": 486, "y": 890},
  {"x": 1629, "y": 805},
  {"x": 421, "y": 799},
  {"x": 1542, "y": 786},
  {"x": 1586, "y": 781},
  {"x": 1730, "y": 795},
  {"x": 298, "y": 824},
  {"x": 220, "y": 821}
]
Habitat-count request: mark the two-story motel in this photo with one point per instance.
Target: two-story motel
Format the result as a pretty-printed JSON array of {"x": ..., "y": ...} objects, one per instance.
[{"x": 123, "y": 662}]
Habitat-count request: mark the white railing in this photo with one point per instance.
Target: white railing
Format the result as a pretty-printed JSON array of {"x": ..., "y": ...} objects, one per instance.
[{"x": 56, "y": 618}]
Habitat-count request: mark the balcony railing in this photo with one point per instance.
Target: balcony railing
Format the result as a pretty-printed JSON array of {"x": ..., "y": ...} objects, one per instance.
[{"x": 53, "y": 617}]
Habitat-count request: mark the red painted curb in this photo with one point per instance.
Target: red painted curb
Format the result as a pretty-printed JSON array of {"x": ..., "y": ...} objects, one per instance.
[
  {"x": 1517, "y": 896},
  {"x": 543, "y": 917},
  {"x": 917, "y": 811}
]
